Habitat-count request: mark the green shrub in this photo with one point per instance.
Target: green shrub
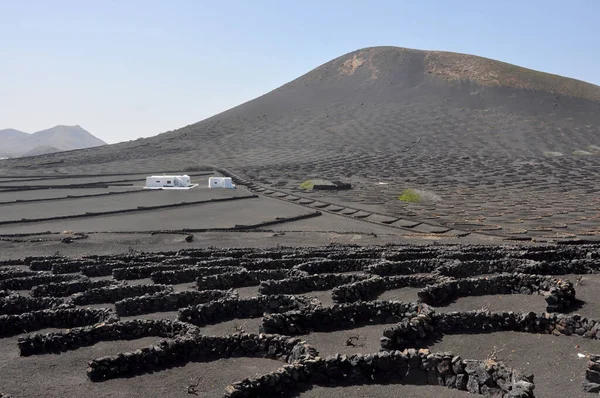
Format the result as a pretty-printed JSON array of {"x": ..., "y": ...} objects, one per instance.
[
  {"x": 419, "y": 196},
  {"x": 593, "y": 148},
  {"x": 411, "y": 196},
  {"x": 579, "y": 152},
  {"x": 307, "y": 185},
  {"x": 552, "y": 154}
]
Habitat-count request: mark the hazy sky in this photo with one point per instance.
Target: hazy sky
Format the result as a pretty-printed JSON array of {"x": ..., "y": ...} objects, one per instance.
[{"x": 128, "y": 69}]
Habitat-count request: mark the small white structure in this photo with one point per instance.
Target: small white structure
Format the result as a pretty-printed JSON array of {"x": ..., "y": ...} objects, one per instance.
[
  {"x": 220, "y": 182},
  {"x": 169, "y": 182}
]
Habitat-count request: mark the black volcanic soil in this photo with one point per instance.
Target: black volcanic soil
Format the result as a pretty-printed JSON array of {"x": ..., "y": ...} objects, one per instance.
[
  {"x": 500, "y": 145},
  {"x": 497, "y": 145}
]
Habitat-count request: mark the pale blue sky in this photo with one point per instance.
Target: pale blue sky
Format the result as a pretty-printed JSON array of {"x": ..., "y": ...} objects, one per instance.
[{"x": 128, "y": 69}]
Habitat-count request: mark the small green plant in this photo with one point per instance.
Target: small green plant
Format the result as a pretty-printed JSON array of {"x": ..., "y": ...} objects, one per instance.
[
  {"x": 579, "y": 152},
  {"x": 552, "y": 154},
  {"x": 307, "y": 185},
  {"x": 419, "y": 196},
  {"x": 411, "y": 196},
  {"x": 593, "y": 148}
]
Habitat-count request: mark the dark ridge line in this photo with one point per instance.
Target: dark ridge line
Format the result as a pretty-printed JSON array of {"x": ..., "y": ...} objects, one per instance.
[
  {"x": 44, "y": 177},
  {"x": 279, "y": 220},
  {"x": 19, "y": 201},
  {"x": 237, "y": 228},
  {"x": 25, "y": 188},
  {"x": 252, "y": 187},
  {"x": 99, "y": 184},
  {"x": 113, "y": 212},
  {"x": 7, "y": 237},
  {"x": 73, "y": 238}
]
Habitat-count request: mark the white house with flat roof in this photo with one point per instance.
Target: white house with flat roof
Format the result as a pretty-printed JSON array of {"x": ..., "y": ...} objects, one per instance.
[
  {"x": 169, "y": 182},
  {"x": 220, "y": 182}
]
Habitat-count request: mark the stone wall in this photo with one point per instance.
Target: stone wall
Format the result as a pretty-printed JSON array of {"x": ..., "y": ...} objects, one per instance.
[
  {"x": 270, "y": 263},
  {"x": 304, "y": 284},
  {"x": 111, "y": 294},
  {"x": 104, "y": 268},
  {"x": 142, "y": 271},
  {"x": 592, "y": 375},
  {"x": 244, "y": 278},
  {"x": 15, "y": 273},
  {"x": 63, "y": 289},
  {"x": 559, "y": 294},
  {"x": 370, "y": 289},
  {"x": 166, "y": 301},
  {"x": 187, "y": 275},
  {"x": 72, "y": 339},
  {"x": 387, "y": 268},
  {"x": 70, "y": 266},
  {"x": 27, "y": 282},
  {"x": 338, "y": 317},
  {"x": 234, "y": 308},
  {"x": 428, "y": 324},
  {"x": 15, "y": 304},
  {"x": 466, "y": 269},
  {"x": 43, "y": 263},
  {"x": 327, "y": 265},
  {"x": 411, "y": 366},
  {"x": 179, "y": 351},
  {"x": 11, "y": 325}
]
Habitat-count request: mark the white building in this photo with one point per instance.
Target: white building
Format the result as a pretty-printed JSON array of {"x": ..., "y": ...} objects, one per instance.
[
  {"x": 169, "y": 182},
  {"x": 220, "y": 182}
]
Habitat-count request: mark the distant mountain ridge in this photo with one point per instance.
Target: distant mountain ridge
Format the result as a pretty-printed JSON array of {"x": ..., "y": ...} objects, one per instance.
[{"x": 15, "y": 143}]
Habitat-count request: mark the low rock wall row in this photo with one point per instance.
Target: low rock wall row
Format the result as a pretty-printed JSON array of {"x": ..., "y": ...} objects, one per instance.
[
  {"x": 239, "y": 279},
  {"x": 111, "y": 294},
  {"x": 43, "y": 263},
  {"x": 142, "y": 271},
  {"x": 104, "y": 268},
  {"x": 270, "y": 263},
  {"x": 420, "y": 329},
  {"x": 465, "y": 269},
  {"x": 234, "y": 308},
  {"x": 327, "y": 265},
  {"x": 304, "y": 284},
  {"x": 388, "y": 268},
  {"x": 179, "y": 351},
  {"x": 27, "y": 282},
  {"x": 339, "y": 317},
  {"x": 11, "y": 325},
  {"x": 370, "y": 289},
  {"x": 72, "y": 339},
  {"x": 15, "y": 304},
  {"x": 71, "y": 266},
  {"x": 191, "y": 274},
  {"x": 64, "y": 289},
  {"x": 15, "y": 273},
  {"x": 164, "y": 301},
  {"x": 559, "y": 294},
  {"x": 489, "y": 378}
]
